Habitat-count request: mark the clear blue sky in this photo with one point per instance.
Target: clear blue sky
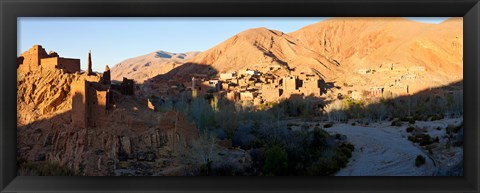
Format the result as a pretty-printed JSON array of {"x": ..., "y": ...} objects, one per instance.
[{"x": 115, "y": 39}]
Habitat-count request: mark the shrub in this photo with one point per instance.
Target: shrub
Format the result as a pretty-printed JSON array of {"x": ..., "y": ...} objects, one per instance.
[
  {"x": 243, "y": 137},
  {"x": 291, "y": 124},
  {"x": 327, "y": 125},
  {"x": 226, "y": 169},
  {"x": 276, "y": 160},
  {"x": 410, "y": 129},
  {"x": 346, "y": 151},
  {"x": 46, "y": 169},
  {"x": 341, "y": 158},
  {"x": 411, "y": 121},
  {"x": 425, "y": 140},
  {"x": 350, "y": 146},
  {"x": 412, "y": 138},
  {"x": 436, "y": 117},
  {"x": 338, "y": 136},
  {"x": 316, "y": 153},
  {"x": 421, "y": 117},
  {"x": 397, "y": 123},
  {"x": 324, "y": 167},
  {"x": 452, "y": 129},
  {"x": 420, "y": 160},
  {"x": 422, "y": 139},
  {"x": 458, "y": 141}
]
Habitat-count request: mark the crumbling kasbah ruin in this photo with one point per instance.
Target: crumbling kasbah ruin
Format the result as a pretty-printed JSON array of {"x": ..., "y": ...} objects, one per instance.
[
  {"x": 91, "y": 92},
  {"x": 37, "y": 56},
  {"x": 84, "y": 121},
  {"x": 92, "y": 96}
]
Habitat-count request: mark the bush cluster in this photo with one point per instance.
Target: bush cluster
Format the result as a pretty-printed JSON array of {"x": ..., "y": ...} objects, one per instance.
[
  {"x": 396, "y": 123},
  {"x": 423, "y": 139},
  {"x": 45, "y": 169},
  {"x": 304, "y": 152},
  {"x": 410, "y": 129},
  {"x": 327, "y": 125},
  {"x": 452, "y": 129},
  {"x": 420, "y": 160},
  {"x": 436, "y": 117}
]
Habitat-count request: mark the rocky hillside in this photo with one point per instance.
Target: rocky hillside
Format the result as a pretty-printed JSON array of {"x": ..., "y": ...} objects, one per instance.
[
  {"x": 132, "y": 139},
  {"x": 143, "y": 67}
]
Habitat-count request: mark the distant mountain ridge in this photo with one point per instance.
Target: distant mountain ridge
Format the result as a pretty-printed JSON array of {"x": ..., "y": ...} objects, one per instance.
[{"x": 143, "y": 67}]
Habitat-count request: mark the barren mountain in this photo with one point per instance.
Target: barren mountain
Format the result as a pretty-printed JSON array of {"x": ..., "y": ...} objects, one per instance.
[
  {"x": 339, "y": 47},
  {"x": 152, "y": 64},
  {"x": 370, "y": 42},
  {"x": 261, "y": 47}
]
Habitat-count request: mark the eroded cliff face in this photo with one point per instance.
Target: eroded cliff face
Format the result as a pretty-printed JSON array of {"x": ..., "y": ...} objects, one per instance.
[
  {"x": 131, "y": 137},
  {"x": 42, "y": 92}
]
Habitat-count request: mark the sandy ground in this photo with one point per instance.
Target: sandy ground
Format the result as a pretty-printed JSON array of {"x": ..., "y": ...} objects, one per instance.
[{"x": 382, "y": 150}]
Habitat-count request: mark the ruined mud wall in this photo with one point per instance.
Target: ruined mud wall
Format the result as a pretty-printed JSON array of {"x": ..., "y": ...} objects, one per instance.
[{"x": 69, "y": 65}]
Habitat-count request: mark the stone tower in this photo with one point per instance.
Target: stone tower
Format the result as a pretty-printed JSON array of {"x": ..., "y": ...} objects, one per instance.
[
  {"x": 89, "y": 65},
  {"x": 106, "y": 75}
]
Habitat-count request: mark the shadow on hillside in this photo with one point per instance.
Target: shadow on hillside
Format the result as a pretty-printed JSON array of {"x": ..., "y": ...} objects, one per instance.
[
  {"x": 444, "y": 101},
  {"x": 186, "y": 71}
]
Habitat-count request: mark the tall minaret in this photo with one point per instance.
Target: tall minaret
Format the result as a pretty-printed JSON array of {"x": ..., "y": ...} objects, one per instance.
[{"x": 89, "y": 65}]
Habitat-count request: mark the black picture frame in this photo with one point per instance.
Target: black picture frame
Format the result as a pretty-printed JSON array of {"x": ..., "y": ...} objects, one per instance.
[{"x": 10, "y": 10}]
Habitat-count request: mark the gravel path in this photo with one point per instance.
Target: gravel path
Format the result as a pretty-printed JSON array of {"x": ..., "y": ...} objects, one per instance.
[{"x": 381, "y": 150}]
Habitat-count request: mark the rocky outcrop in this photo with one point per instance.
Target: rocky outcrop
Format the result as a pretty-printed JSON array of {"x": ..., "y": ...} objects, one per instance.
[{"x": 42, "y": 93}]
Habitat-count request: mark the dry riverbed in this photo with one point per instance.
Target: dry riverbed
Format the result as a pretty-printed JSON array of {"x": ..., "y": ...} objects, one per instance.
[{"x": 384, "y": 150}]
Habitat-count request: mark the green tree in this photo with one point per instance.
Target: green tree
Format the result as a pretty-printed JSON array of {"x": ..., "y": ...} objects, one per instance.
[{"x": 276, "y": 160}]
